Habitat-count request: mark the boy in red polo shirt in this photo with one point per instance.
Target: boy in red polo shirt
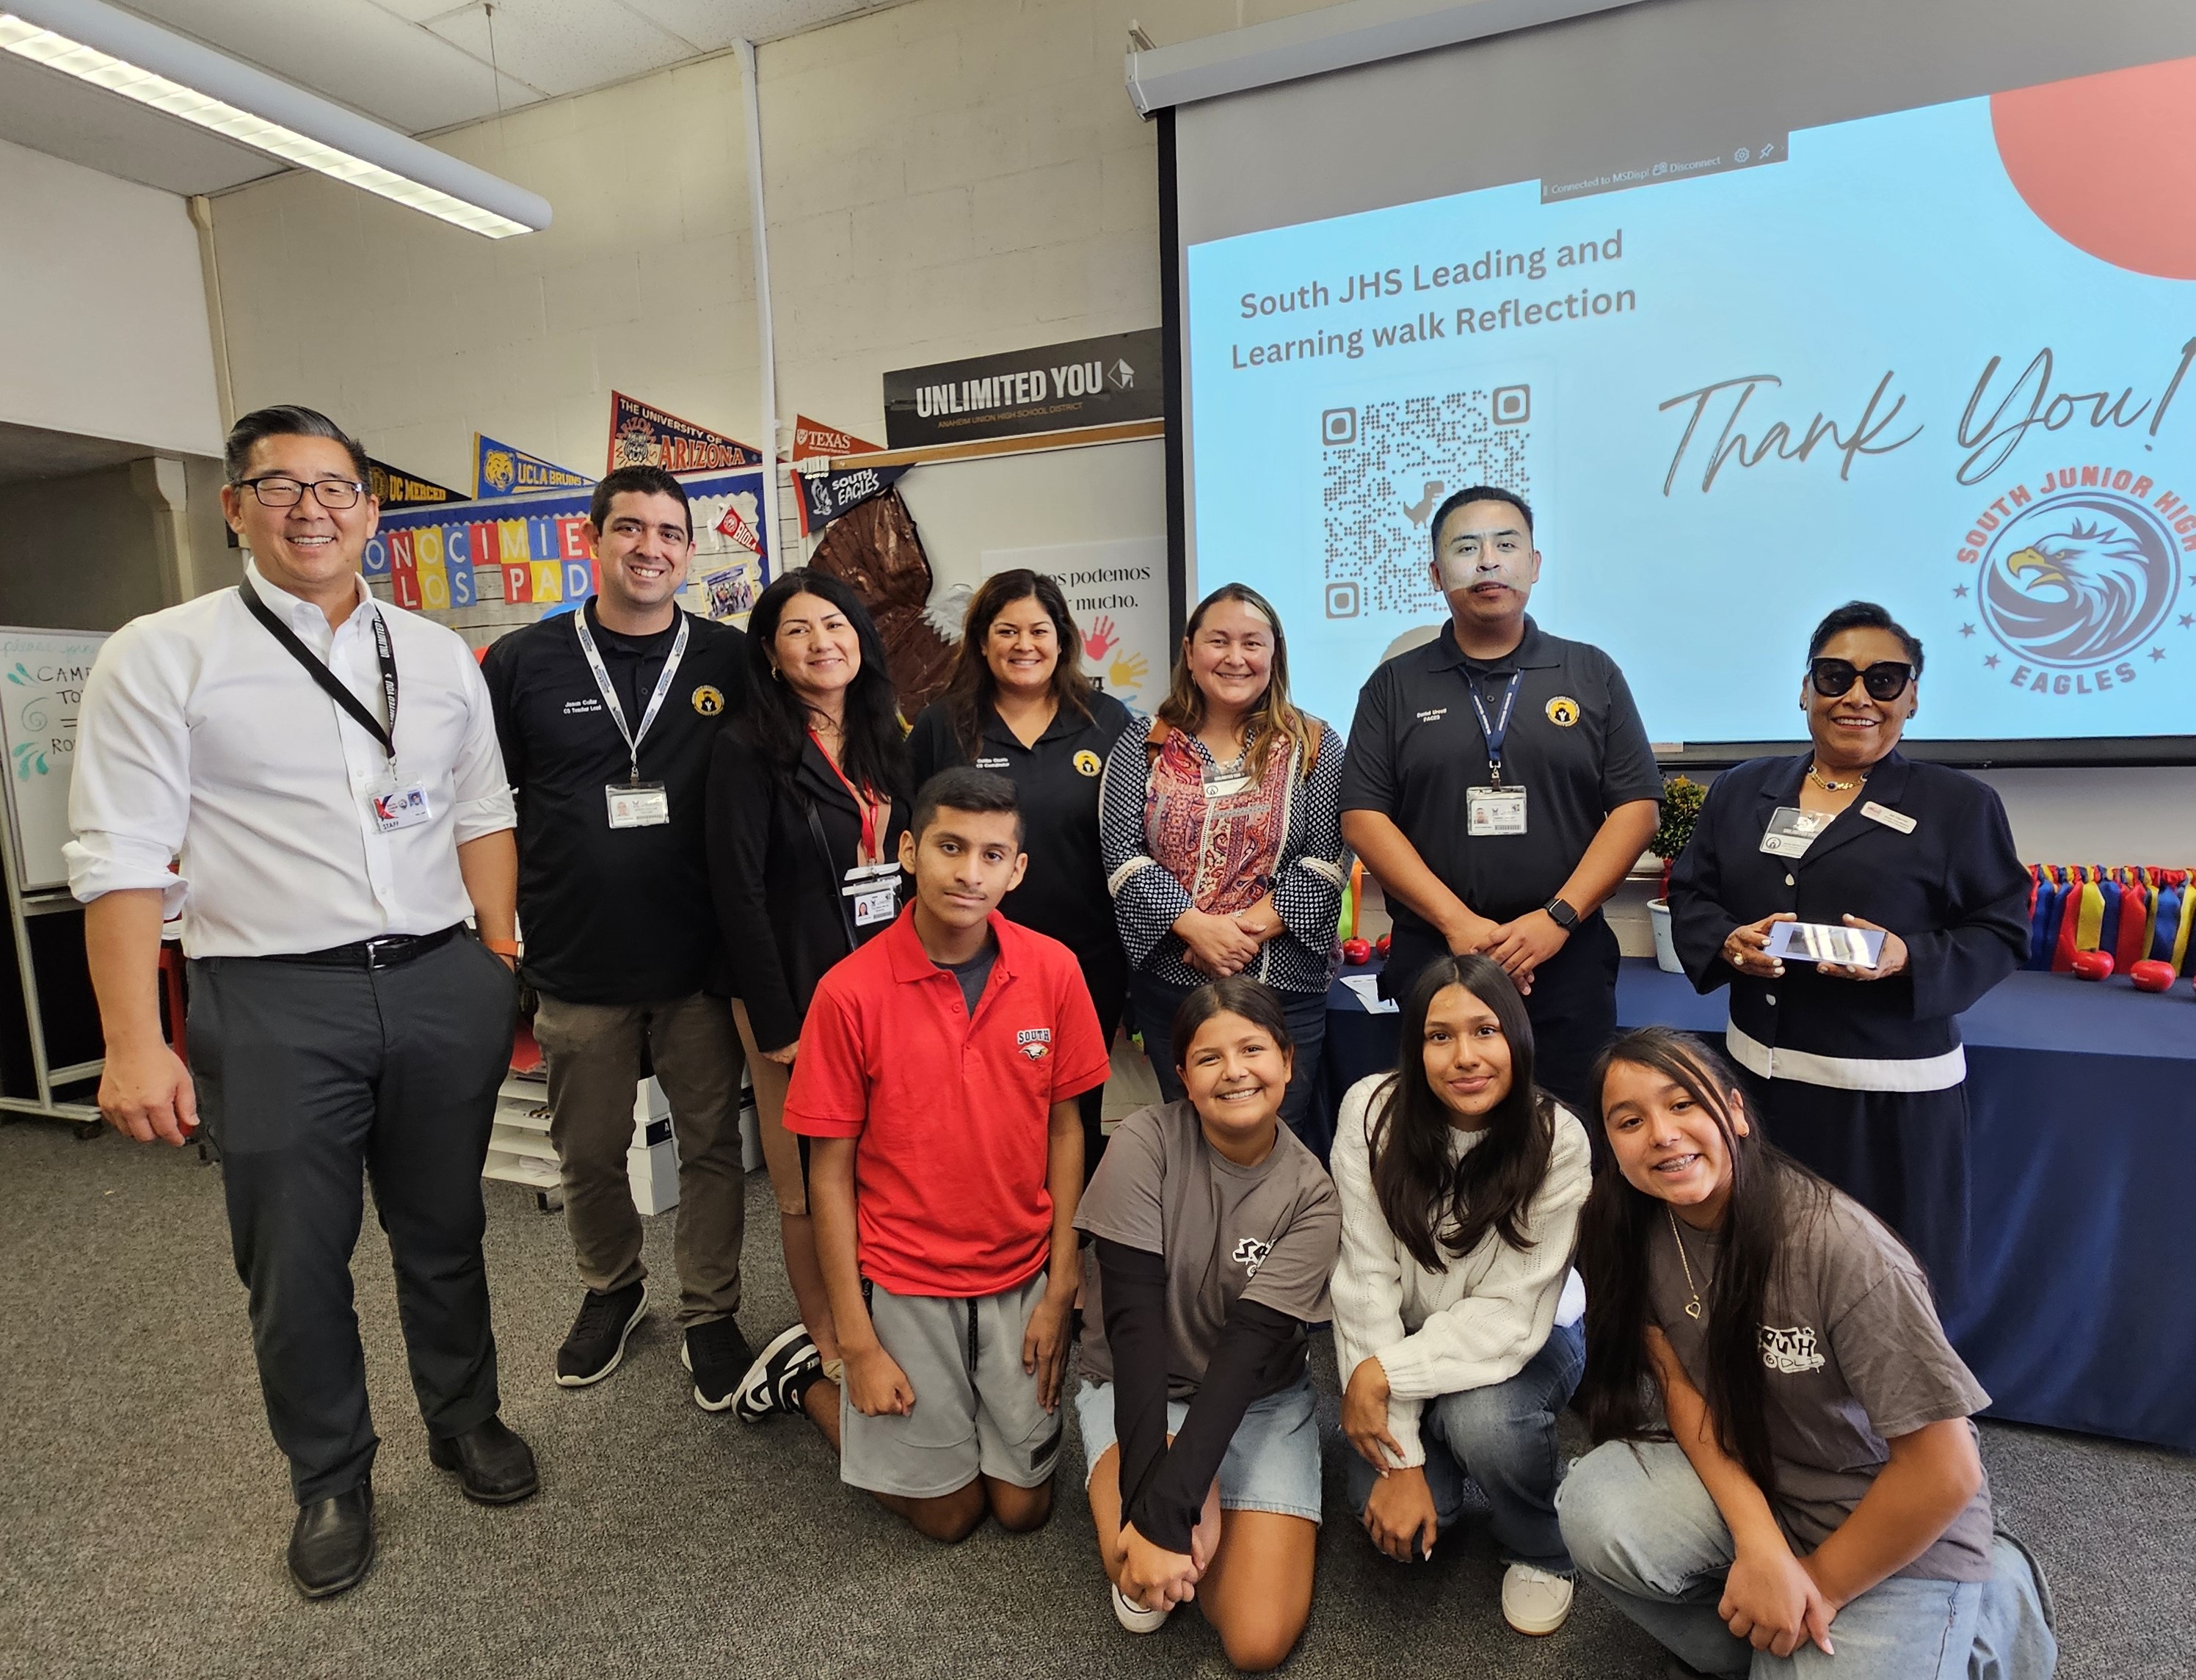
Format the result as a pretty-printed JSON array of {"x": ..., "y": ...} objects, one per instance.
[{"x": 939, "y": 1071}]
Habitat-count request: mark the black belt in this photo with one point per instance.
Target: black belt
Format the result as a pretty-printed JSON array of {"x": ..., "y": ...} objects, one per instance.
[{"x": 386, "y": 952}]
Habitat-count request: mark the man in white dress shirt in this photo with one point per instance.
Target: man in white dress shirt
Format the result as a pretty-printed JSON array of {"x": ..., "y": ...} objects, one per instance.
[{"x": 312, "y": 781}]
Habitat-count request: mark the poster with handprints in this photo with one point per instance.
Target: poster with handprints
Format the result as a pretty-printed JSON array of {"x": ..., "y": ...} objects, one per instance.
[
  {"x": 1118, "y": 592},
  {"x": 42, "y": 678}
]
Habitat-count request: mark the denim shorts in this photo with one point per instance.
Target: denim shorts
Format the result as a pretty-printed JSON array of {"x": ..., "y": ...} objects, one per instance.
[{"x": 1273, "y": 1459}]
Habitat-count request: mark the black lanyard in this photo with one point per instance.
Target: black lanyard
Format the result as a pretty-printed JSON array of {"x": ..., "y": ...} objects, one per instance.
[
  {"x": 1496, "y": 729},
  {"x": 317, "y": 668}
]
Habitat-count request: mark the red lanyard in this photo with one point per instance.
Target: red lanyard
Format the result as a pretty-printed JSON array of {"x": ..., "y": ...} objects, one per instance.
[{"x": 865, "y": 802}]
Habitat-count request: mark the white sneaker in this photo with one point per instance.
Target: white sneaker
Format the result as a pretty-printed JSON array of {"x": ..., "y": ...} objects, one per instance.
[
  {"x": 1533, "y": 1600},
  {"x": 1134, "y": 1617}
]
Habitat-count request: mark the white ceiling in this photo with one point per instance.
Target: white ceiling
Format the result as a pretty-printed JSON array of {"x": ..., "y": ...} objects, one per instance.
[{"x": 416, "y": 65}]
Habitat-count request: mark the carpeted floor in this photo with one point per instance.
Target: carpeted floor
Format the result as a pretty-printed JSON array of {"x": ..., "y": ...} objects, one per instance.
[{"x": 143, "y": 1511}]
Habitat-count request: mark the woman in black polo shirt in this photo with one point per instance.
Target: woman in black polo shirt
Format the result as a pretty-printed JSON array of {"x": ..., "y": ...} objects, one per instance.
[
  {"x": 1859, "y": 1071},
  {"x": 1018, "y": 702},
  {"x": 808, "y": 797}
]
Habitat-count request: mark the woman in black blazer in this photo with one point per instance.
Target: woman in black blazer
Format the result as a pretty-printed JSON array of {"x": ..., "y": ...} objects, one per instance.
[
  {"x": 808, "y": 797},
  {"x": 1018, "y": 703},
  {"x": 1859, "y": 1071}
]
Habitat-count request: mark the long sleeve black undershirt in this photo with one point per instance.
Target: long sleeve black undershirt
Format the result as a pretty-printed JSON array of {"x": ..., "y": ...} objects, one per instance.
[{"x": 1163, "y": 1488}]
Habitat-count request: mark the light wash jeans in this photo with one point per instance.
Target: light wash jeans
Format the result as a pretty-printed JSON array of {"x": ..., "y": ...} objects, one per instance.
[
  {"x": 1643, "y": 1529},
  {"x": 1503, "y": 1438}
]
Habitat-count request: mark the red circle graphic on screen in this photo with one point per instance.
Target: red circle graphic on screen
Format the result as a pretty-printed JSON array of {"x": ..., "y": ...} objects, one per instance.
[{"x": 2108, "y": 163}]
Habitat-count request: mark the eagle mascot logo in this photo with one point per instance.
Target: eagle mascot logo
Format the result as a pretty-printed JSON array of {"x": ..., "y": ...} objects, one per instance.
[{"x": 2079, "y": 580}]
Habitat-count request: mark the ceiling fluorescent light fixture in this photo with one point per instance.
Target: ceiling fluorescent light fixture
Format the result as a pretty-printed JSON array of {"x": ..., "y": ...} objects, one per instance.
[{"x": 127, "y": 55}]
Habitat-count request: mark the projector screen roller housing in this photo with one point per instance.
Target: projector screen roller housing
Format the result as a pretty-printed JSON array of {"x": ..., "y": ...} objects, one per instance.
[{"x": 1765, "y": 307}]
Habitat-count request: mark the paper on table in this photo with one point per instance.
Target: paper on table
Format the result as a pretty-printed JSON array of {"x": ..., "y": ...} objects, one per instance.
[{"x": 1367, "y": 988}]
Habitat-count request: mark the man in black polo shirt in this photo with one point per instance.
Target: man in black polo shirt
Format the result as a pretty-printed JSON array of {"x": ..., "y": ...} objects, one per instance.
[
  {"x": 1499, "y": 784},
  {"x": 607, "y": 717}
]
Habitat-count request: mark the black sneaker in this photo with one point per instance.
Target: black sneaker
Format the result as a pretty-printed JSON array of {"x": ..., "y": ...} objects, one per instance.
[
  {"x": 779, "y": 1376},
  {"x": 596, "y": 1343},
  {"x": 717, "y": 1353}
]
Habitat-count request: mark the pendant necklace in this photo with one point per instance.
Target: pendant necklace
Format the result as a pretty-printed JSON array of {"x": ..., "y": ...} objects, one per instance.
[
  {"x": 1828, "y": 786},
  {"x": 1692, "y": 1307}
]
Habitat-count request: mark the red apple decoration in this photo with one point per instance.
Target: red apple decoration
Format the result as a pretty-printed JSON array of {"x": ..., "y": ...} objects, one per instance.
[
  {"x": 2151, "y": 975},
  {"x": 1380, "y": 946},
  {"x": 1356, "y": 952},
  {"x": 2092, "y": 965}
]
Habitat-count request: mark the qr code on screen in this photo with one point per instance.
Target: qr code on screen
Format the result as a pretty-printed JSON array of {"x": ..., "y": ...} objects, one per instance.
[{"x": 1387, "y": 465}]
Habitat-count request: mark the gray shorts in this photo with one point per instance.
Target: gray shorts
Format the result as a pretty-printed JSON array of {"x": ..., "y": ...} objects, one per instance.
[{"x": 975, "y": 1408}]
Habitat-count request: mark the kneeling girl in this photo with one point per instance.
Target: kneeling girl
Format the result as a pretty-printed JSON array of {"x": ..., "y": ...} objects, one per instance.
[
  {"x": 1215, "y": 1232},
  {"x": 1819, "y": 1490},
  {"x": 1459, "y": 1344}
]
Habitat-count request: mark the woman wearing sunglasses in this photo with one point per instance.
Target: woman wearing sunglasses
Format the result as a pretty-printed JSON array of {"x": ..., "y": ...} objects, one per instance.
[{"x": 1857, "y": 1067}]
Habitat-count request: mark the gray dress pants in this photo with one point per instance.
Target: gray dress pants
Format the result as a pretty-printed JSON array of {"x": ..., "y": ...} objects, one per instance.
[{"x": 312, "y": 1078}]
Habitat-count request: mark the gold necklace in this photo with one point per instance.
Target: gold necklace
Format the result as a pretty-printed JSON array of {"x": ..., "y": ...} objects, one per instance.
[
  {"x": 1828, "y": 786},
  {"x": 1692, "y": 1307}
]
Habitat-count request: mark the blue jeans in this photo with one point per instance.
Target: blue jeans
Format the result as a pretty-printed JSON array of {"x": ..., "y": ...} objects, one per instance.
[
  {"x": 1154, "y": 1002},
  {"x": 1503, "y": 1438},
  {"x": 1644, "y": 1531}
]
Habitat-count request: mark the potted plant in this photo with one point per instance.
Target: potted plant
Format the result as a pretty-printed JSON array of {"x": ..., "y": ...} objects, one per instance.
[{"x": 1682, "y": 798}]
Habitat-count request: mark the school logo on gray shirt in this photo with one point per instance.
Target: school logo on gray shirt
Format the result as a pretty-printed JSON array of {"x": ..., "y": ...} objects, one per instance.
[
  {"x": 1790, "y": 1351},
  {"x": 1251, "y": 1254}
]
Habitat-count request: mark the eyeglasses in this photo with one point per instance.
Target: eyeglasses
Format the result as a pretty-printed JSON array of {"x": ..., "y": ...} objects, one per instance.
[
  {"x": 1834, "y": 677},
  {"x": 333, "y": 493}
]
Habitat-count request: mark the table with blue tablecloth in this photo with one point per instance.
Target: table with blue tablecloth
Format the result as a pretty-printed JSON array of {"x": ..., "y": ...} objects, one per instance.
[{"x": 2079, "y": 1307}]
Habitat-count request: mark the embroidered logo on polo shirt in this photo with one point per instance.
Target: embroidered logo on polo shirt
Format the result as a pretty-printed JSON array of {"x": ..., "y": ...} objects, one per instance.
[
  {"x": 1251, "y": 1254},
  {"x": 1086, "y": 763},
  {"x": 709, "y": 699},
  {"x": 1563, "y": 710},
  {"x": 1434, "y": 716},
  {"x": 1035, "y": 1042},
  {"x": 992, "y": 764},
  {"x": 1791, "y": 1352}
]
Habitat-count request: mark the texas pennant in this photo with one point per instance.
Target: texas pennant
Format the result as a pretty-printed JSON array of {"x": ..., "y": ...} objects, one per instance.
[
  {"x": 641, "y": 435},
  {"x": 498, "y": 470},
  {"x": 813, "y": 442}
]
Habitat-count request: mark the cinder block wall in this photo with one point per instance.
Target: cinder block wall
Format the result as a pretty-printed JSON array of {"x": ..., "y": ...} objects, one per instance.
[{"x": 944, "y": 177}]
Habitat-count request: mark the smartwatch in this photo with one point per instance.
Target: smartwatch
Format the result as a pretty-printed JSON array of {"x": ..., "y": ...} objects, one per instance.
[{"x": 1561, "y": 914}]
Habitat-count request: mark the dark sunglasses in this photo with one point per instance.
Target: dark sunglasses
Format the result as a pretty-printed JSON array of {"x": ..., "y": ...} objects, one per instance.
[{"x": 1834, "y": 677}]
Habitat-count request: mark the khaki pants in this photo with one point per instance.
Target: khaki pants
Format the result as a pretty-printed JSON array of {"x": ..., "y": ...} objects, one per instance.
[{"x": 594, "y": 1054}]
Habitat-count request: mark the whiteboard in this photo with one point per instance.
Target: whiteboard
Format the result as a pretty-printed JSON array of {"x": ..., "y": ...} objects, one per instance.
[{"x": 42, "y": 677}]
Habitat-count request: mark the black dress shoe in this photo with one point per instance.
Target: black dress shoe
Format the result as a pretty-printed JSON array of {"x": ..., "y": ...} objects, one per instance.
[
  {"x": 496, "y": 1466},
  {"x": 332, "y": 1547}
]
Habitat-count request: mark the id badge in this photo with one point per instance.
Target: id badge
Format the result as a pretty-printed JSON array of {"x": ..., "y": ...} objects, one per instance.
[
  {"x": 637, "y": 805},
  {"x": 1225, "y": 784},
  {"x": 875, "y": 889},
  {"x": 1791, "y": 830},
  {"x": 402, "y": 808},
  {"x": 1495, "y": 810}
]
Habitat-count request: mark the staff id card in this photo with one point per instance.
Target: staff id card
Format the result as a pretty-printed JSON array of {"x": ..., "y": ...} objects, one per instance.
[
  {"x": 637, "y": 805},
  {"x": 1791, "y": 830},
  {"x": 875, "y": 889},
  {"x": 402, "y": 808},
  {"x": 1495, "y": 810}
]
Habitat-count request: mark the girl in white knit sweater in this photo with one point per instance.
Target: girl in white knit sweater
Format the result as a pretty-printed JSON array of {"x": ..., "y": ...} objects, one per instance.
[{"x": 1455, "y": 1309}]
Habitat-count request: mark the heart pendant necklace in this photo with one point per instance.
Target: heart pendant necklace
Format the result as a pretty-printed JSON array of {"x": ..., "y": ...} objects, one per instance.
[{"x": 1692, "y": 1307}]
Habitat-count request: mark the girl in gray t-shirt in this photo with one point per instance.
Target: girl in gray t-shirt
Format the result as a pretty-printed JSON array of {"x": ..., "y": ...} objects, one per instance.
[
  {"x": 1215, "y": 1230},
  {"x": 1812, "y": 1477}
]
